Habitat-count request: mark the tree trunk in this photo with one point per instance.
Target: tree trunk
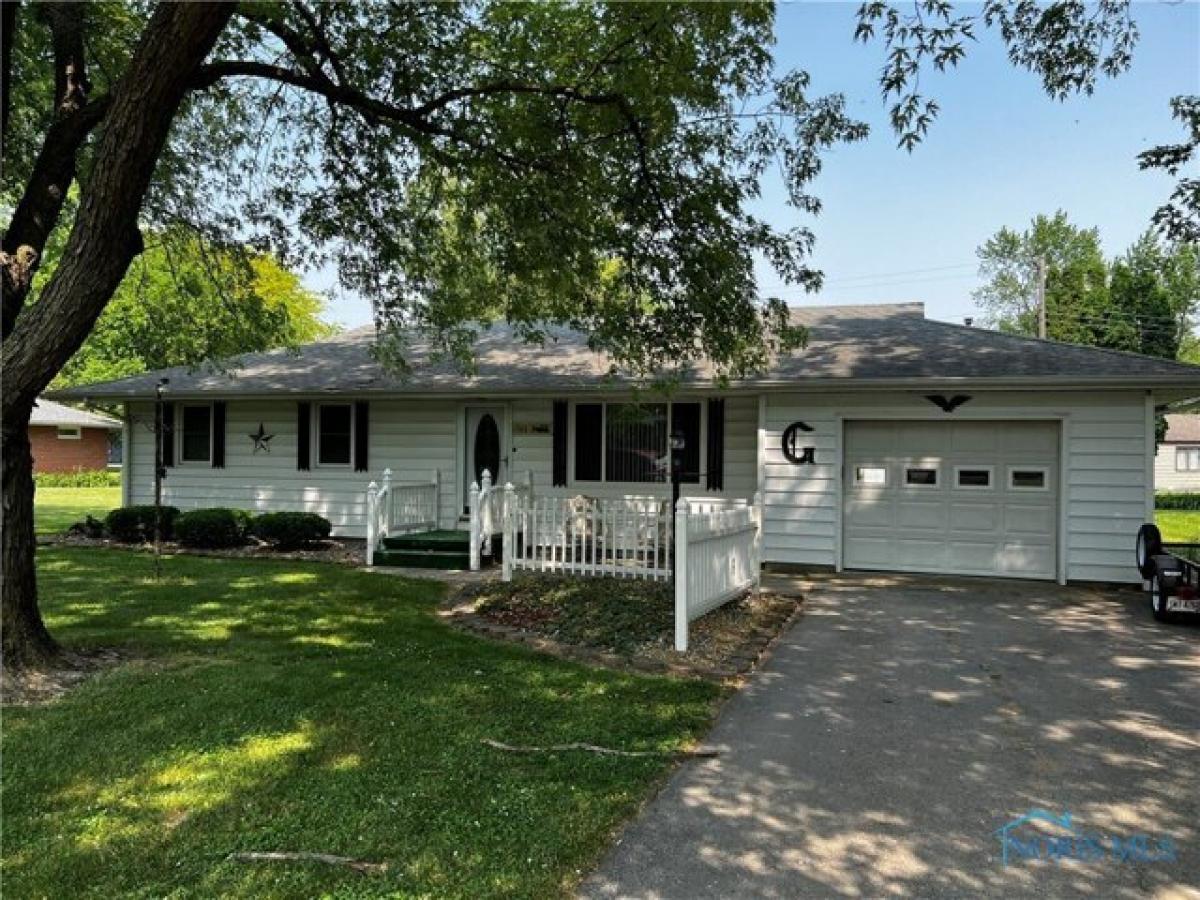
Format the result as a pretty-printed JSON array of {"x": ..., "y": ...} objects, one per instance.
[
  {"x": 103, "y": 241},
  {"x": 27, "y": 643}
]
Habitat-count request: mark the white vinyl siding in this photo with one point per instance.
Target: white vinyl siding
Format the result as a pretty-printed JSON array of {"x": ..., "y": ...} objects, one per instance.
[
  {"x": 411, "y": 437},
  {"x": 1105, "y": 493}
]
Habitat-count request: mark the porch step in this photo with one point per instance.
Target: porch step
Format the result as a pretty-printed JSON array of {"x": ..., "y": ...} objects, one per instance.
[
  {"x": 423, "y": 559},
  {"x": 446, "y": 541}
]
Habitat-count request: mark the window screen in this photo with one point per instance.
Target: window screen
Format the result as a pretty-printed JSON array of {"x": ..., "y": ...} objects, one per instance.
[{"x": 333, "y": 442}]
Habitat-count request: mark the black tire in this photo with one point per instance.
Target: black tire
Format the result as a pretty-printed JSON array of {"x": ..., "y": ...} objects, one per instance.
[
  {"x": 1158, "y": 600},
  {"x": 1149, "y": 545}
]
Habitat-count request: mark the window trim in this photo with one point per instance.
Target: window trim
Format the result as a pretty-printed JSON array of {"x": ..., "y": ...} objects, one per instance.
[
  {"x": 70, "y": 432},
  {"x": 959, "y": 486},
  {"x": 604, "y": 405},
  {"x": 1043, "y": 470},
  {"x": 937, "y": 477},
  {"x": 315, "y": 426},
  {"x": 883, "y": 467},
  {"x": 1186, "y": 451},
  {"x": 180, "y": 416}
]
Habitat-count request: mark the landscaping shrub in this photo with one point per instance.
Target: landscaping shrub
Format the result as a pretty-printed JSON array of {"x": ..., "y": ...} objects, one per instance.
[
  {"x": 285, "y": 530},
  {"x": 131, "y": 524},
  {"x": 80, "y": 478},
  {"x": 1177, "y": 500},
  {"x": 90, "y": 527},
  {"x": 212, "y": 528}
]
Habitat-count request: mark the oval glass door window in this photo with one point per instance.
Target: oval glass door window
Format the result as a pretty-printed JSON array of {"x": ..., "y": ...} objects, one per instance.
[{"x": 487, "y": 448}]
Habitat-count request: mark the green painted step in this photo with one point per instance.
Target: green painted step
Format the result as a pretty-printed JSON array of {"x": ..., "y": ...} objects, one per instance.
[
  {"x": 423, "y": 559},
  {"x": 450, "y": 541}
]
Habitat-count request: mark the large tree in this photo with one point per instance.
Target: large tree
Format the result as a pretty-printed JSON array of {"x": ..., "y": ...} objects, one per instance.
[{"x": 588, "y": 164}]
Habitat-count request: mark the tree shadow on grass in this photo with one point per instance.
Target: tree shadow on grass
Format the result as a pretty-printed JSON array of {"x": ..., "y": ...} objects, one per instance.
[{"x": 307, "y": 707}]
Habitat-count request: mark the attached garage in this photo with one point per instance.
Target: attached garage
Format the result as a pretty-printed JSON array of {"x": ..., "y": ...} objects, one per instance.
[{"x": 962, "y": 497}]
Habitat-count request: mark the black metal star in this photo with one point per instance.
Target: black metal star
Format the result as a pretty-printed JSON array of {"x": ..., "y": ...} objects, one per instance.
[{"x": 262, "y": 440}]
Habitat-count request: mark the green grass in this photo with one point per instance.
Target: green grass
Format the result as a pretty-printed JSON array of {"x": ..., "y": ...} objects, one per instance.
[
  {"x": 1178, "y": 526},
  {"x": 287, "y": 706},
  {"x": 56, "y": 509}
]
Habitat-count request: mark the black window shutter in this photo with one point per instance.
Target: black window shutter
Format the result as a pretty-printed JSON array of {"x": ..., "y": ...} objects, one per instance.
[
  {"x": 589, "y": 441},
  {"x": 218, "y": 438},
  {"x": 716, "y": 445},
  {"x": 362, "y": 435},
  {"x": 685, "y": 424},
  {"x": 303, "y": 435},
  {"x": 559, "y": 468},
  {"x": 168, "y": 434}
]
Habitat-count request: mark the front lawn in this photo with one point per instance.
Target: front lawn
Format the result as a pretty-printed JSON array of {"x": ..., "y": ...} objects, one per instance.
[
  {"x": 55, "y": 509},
  {"x": 307, "y": 707},
  {"x": 1178, "y": 525}
]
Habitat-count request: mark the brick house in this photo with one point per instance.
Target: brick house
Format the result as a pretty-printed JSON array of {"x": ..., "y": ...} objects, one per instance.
[{"x": 66, "y": 439}]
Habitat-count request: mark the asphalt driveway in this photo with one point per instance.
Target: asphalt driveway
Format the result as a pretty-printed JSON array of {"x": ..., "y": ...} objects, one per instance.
[{"x": 902, "y": 722}]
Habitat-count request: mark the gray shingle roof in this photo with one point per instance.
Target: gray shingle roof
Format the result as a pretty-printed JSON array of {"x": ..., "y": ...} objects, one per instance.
[
  {"x": 47, "y": 412},
  {"x": 848, "y": 344}
]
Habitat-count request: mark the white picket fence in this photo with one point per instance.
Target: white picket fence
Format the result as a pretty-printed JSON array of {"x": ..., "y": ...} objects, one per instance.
[
  {"x": 400, "y": 507},
  {"x": 718, "y": 555},
  {"x": 712, "y": 549},
  {"x": 486, "y": 503}
]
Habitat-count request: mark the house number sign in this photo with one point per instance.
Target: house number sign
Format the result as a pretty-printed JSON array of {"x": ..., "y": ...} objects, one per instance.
[{"x": 793, "y": 452}]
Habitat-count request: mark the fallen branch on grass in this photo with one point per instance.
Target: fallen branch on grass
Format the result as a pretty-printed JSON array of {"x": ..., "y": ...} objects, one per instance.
[
  {"x": 701, "y": 752},
  {"x": 304, "y": 856}
]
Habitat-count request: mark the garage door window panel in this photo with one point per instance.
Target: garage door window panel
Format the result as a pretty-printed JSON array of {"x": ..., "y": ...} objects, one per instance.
[
  {"x": 973, "y": 478},
  {"x": 1029, "y": 478},
  {"x": 921, "y": 476},
  {"x": 870, "y": 476}
]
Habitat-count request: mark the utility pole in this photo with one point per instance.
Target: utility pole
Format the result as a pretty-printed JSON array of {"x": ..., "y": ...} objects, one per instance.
[{"x": 1041, "y": 296}]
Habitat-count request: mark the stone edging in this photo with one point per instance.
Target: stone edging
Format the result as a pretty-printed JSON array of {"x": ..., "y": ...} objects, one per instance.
[{"x": 749, "y": 655}]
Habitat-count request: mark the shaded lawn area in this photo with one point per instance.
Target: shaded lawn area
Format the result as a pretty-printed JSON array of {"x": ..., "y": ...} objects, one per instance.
[
  {"x": 55, "y": 509},
  {"x": 310, "y": 707},
  {"x": 1178, "y": 525}
]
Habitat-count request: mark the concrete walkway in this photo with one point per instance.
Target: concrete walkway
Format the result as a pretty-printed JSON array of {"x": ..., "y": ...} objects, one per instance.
[{"x": 902, "y": 722}]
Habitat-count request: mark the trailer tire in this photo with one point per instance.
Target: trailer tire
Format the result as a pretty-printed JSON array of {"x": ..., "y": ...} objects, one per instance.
[
  {"x": 1158, "y": 600},
  {"x": 1149, "y": 545}
]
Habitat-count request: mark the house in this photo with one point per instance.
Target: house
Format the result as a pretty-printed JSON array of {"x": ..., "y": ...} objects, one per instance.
[
  {"x": 1177, "y": 462},
  {"x": 65, "y": 439},
  {"x": 891, "y": 442}
]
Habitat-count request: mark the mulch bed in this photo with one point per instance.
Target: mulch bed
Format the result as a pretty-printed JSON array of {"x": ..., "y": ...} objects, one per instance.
[
  {"x": 624, "y": 624},
  {"x": 345, "y": 551}
]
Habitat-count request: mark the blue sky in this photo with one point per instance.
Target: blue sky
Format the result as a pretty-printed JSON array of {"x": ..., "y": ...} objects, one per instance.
[{"x": 1000, "y": 152}]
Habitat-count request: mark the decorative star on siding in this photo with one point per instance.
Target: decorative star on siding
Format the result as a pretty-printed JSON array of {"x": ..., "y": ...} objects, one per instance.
[{"x": 262, "y": 440}]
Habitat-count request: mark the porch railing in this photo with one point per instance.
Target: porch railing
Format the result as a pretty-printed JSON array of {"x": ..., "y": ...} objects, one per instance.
[
  {"x": 399, "y": 507},
  {"x": 486, "y": 504}
]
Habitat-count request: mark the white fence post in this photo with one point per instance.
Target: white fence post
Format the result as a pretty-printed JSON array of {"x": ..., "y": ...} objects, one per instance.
[
  {"x": 473, "y": 507},
  {"x": 758, "y": 539},
  {"x": 372, "y": 511},
  {"x": 386, "y": 491},
  {"x": 510, "y": 538},
  {"x": 487, "y": 510},
  {"x": 437, "y": 499},
  {"x": 681, "y": 576}
]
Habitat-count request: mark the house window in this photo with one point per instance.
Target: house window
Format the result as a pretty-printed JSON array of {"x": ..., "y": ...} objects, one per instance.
[
  {"x": 1187, "y": 459},
  {"x": 1026, "y": 479},
  {"x": 921, "y": 476},
  {"x": 973, "y": 477},
  {"x": 874, "y": 476},
  {"x": 195, "y": 435},
  {"x": 334, "y": 434},
  {"x": 637, "y": 443},
  {"x": 69, "y": 432}
]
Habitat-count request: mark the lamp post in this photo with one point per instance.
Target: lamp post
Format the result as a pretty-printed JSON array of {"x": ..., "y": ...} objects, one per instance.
[{"x": 160, "y": 472}]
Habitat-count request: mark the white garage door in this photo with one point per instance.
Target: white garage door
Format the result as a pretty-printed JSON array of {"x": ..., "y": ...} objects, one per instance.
[{"x": 969, "y": 498}]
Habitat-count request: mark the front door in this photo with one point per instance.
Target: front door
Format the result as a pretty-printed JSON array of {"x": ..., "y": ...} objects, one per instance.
[{"x": 484, "y": 450}]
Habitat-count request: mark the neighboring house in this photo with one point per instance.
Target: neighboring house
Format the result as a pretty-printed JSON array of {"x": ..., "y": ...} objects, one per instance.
[
  {"x": 891, "y": 442},
  {"x": 1177, "y": 463},
  {"x": 65, "y": 439}
]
